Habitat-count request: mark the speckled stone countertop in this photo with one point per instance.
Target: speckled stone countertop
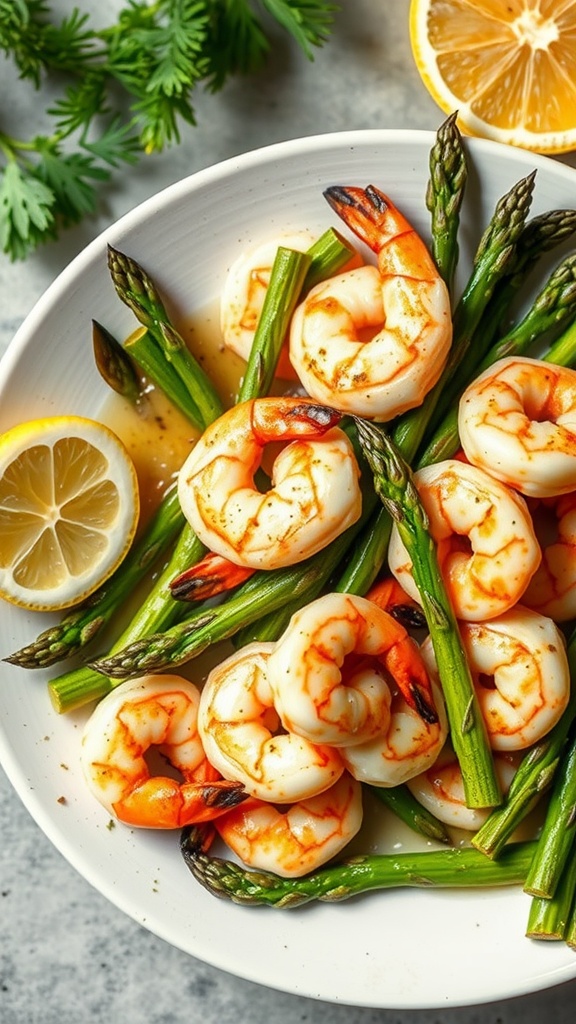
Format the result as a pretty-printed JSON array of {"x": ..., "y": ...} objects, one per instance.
[{"x": 67, "y": 956}]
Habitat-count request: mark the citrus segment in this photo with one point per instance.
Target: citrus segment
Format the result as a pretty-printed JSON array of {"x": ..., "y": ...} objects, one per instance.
[
  {"x": 509, "y": 69},
  {"x": 69, "y": 507}
]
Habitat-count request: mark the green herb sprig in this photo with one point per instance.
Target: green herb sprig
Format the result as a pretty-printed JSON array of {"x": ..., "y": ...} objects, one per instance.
[{"x": 128, "y": 90}]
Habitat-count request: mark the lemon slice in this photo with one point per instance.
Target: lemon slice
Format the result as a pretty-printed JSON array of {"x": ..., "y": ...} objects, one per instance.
[
  {"x": 509, "y": 69},
  {"x": 69, "y": 506}
]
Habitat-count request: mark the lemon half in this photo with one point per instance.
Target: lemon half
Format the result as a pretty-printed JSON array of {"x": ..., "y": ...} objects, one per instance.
[
  {"x": 509, "y": 69},
  {"x": 69, "y": 507}
]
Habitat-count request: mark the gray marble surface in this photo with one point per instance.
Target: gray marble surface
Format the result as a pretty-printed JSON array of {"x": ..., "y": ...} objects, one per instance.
[{"x": 67, "y": 955}]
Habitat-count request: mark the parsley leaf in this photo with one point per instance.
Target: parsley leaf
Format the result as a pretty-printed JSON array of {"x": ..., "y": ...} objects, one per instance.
[
  {"x": 127, "y": 90},
  {"x": 26, "y": 216}
]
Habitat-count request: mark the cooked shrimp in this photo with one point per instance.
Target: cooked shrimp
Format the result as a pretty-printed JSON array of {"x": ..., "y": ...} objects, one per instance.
[
  {"x": 521, "y": 676},
  {"x": 294, "y": 840},
  {"x": 440, "y": 789},
  {"x": 242, "y": 737},
  {"x": 405, "y": 746},
  {"x": 486, "y": 544},
  {"x": 552, "y": 589},
  {"x": 373, "y": 341},
  {"x": 517, "y": 421},
  {"x": 244, "y": 293},
  {"x": 153, "y": 711},
  {"x": 332, "y": 668},
  {"x": 314, "y": 495}
]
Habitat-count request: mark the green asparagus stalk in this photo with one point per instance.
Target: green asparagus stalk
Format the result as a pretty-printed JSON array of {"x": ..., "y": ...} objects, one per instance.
[
  {"x": 141, "y": 347},
  {"x": 394, "y": 485},
  {"x": 293, "y": 274},
  {"x": 136, "y": 289},
  {"x": 570, "y": 929},
  {"x": 554, "y": 305},
  {"x": 538, "y": 236},
  {"x": 405, "y": 806},
  {"x": 562, "y": 351},
  {"x": 287, "y": 277},
  {"x": 550, "y": 918},
  {"x": 453, "y": 868},
  {"x": 80, "y": 626},
  {"x": 494, "y": 259},
  {"x": 557, "y": 838},
  {"x": 264, "y": 592},
  {"x": 160, "y": 611},
  {"x": 532, "y": 779},
  {"x": 368, "y": 557},
  {"x": 328, "y": 255},
  {"x": 80, "y": 686},
  {"x": 114, "y": 364},
  {"x": 444, "y": 195}
]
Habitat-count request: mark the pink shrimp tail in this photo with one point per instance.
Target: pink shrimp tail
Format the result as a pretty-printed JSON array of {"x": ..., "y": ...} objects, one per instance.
[
  {"x": 164, "y": 803},
  {"x": 286, "y": 418},
  {"x": 372, "y": 216},
  {"x": 214, "y": 574}
]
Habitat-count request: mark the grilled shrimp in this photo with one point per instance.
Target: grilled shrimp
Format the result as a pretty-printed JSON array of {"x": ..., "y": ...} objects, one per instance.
[
  {"x": 486, "y": 543},
  {"x": 521, "y": 676},
  {"x": 517, "y": 421},
  {"x": 293, "y": 840},
  {"x": 243, "y": 739},
  {"x": 374, "y": 340},
  {"x": 314, "y": 495},
  {"x": 405, "y": 746},
  {"x": 153, "y": 711},
  {"x": 332, "y": 669}
]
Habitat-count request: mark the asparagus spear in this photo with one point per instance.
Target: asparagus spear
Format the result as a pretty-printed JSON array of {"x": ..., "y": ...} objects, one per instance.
[
  {"x": 405, "y": 806},
  {"x": 138, "y": 291},
  {"x": 293, "y": 274},
  {"x": 444, "y": 195},
  {"x": 570, "y": 929},
  {"x": 493, "y": 260},
  {"x": 533, "y": 778},
  {"x": 537, "y": 237},
  {"x": 262, "y": 593},
  {"x": 114, "y": 364},
  {"x": 394, "y": 485},
  {"x": 558, "y": 835},
  {"x": 80, "y": 626},
  {"x": 287, "y": 277},
  {"x": 142, "y": 348},
  {"x": 453, "y": 868},
  {"x": 159, "y": 610},
  {"x": 554, "y": 305},
  {"x": 550, "y": 918}
]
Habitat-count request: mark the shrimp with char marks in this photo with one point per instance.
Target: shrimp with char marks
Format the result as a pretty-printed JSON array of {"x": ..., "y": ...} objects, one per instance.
[
  {"x": 486, "y": 543},
  {"x": 296, "y": 839},
  {"x": 332, "y": 668},
  {"x": 517, "y": 421},
  {"x": 153, "y": 711},
  {"x": 243, "y": 739},
  {"x": 374, "y": 340},
  {"x": 520, "y": 670},
  {"x": 314, "y": 495}
]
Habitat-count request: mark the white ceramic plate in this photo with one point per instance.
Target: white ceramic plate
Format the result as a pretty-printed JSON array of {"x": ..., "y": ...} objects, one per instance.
[{"x": 395, "y": 949}]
